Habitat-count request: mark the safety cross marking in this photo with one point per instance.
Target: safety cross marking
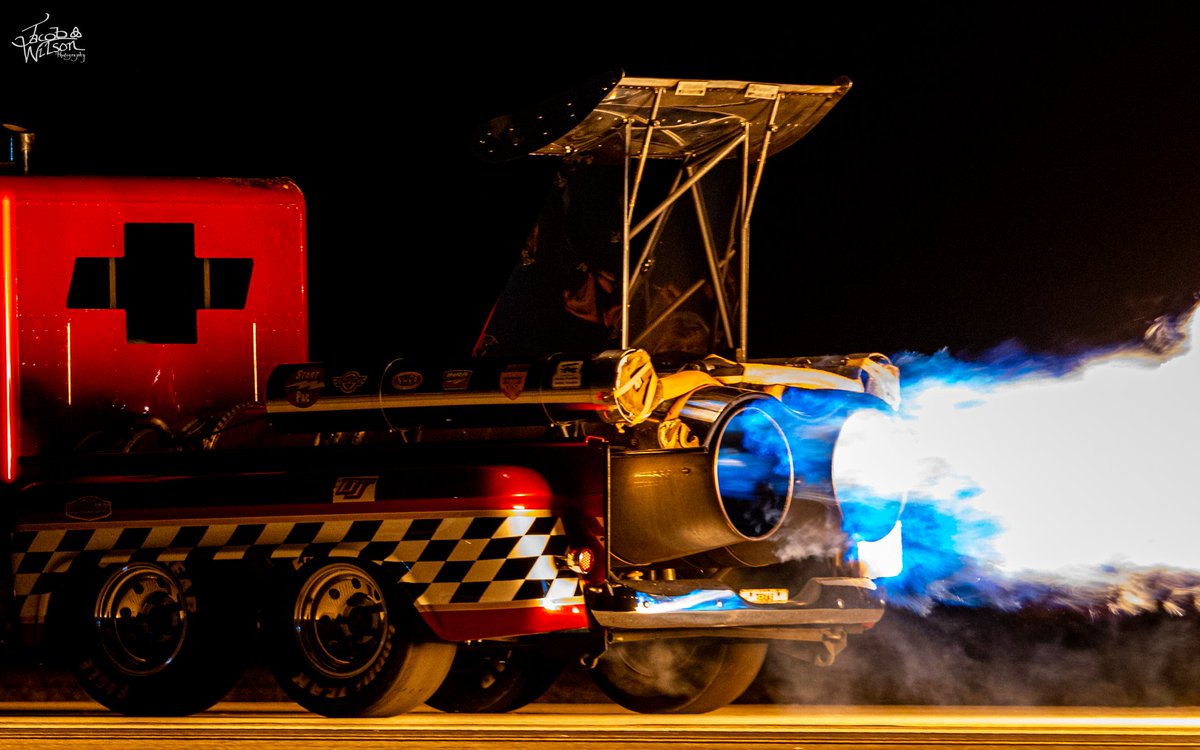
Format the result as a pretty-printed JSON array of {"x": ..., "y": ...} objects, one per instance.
[{"x": 160, "y": 283}]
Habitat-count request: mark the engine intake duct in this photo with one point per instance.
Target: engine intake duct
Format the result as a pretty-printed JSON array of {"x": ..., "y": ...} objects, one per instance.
[{"x": 613, "y": 386}]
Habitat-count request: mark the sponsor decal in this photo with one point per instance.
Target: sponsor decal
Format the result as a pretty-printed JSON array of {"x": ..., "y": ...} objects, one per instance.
[
  {"x": 456, "y": 380},
  {"x": 764, "y": 596},
  {"x": 88, "y": 508},
  {"x": 303, "y": 387},
  {"x": 354, "y": 489},
  {"x": 406, "y": 381},
  {"x": 349, "y": 382},
  {"x": 512, "y": 382},
  {"x": 761, "y": 91},
  {"x": 568, "y": 374}
]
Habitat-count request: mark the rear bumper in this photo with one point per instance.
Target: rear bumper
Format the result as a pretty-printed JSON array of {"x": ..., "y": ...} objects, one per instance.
[{"x": 658, "y": 605}]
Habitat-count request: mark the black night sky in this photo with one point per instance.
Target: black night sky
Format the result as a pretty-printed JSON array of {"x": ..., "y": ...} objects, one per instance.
[{"x": 1023, "y": 171}]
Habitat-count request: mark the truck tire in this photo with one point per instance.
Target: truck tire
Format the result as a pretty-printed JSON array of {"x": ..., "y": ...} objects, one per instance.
[
  {"x": 146, "y": 639},
  {"x": 678, "y": 676},
  {"x": 494, "y": 679},
  {"x": 344, "y": 642}
]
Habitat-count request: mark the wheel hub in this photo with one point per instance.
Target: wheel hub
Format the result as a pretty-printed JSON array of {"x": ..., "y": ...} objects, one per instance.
[
  {"x": 141, "y": 618},
  {"x": 341, "y": 620}
]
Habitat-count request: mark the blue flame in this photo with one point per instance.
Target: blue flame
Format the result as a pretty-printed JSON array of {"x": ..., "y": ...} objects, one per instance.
[
  {"x": 944, "y": 545},
  {"x": 754, "y": 470},
  {"x": 699, "y": 600},
  {"x": 821, "y": 415},
  {"x": 1049, "y": 480},
  {"x": 950, "y": 554}
]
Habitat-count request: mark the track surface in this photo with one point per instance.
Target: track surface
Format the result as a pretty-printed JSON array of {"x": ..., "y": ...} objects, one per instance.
[{"x": 32, "y": 726}]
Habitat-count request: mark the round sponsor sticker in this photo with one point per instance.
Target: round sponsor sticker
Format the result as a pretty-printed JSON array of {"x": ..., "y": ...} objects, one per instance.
[
  {"x": 303, "y": 387},
  {"x": 406, "y": 381}
]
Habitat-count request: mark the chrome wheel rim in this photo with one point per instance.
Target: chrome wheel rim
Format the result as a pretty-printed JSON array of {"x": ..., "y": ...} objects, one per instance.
[
  {"x": 341, "y": 620},
  {"x": 141, "y": 616}
]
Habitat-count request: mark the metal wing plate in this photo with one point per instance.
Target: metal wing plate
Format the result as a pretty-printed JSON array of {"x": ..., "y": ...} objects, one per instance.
[{"x": 693, "y": 117}]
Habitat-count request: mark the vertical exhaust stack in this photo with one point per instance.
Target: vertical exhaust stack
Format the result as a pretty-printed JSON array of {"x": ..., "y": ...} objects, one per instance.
[{"x": 17, "y": 144}]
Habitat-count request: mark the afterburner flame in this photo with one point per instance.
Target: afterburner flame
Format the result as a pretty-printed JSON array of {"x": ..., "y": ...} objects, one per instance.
[{"x": 1082, "y": 474}]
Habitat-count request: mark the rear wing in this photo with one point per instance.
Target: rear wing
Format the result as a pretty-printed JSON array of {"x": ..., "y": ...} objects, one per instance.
[{"x": 627, "y": 122}]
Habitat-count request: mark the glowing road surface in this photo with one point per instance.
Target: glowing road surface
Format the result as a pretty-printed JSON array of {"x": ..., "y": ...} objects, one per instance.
[{"x": 260, "y": 725}]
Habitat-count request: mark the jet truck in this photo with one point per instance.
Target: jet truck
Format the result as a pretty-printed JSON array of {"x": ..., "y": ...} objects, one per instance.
[{"x": 608, "y": 482}]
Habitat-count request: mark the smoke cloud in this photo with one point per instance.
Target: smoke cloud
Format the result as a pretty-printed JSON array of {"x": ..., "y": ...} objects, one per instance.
[{"x": 968, "y": 656}]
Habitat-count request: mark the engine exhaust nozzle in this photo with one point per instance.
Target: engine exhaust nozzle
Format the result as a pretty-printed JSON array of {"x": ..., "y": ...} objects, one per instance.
[
  {"x": 768, "y": 480},
  {"x": 735, "y": 488}
]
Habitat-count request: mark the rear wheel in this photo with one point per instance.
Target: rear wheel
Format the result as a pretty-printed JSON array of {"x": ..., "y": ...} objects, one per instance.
[
  {"x": 494, "y": 679},
  {"x": 346, "y": 644},
  {"x": 146, "y": 639},
  {"x": 682, "y": 675}
]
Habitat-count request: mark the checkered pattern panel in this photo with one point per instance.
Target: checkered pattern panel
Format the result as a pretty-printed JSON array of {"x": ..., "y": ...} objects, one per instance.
[{"x": 460, "y": 561}]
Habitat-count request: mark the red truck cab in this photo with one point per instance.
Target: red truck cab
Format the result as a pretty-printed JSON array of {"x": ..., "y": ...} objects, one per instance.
[{"x": 138, "y": 297}]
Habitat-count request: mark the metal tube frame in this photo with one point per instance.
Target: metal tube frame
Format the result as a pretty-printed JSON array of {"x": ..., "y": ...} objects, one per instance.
[
  {"x": 625, "y": 240},
  {"x": 747, "y": 193},
  {"x": 704, "y": 168},
  {"x": 651, "y": 123},
  {"x": 723, "y": 264},
  {"x": 740, "y": 352},
  {"x": 656, "y": 233},
  {"x": 710, "y": 254},
  {"x": 659, "y": 215}
]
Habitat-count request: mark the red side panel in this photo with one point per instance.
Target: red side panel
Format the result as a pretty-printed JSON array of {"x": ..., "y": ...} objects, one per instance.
[
  {"x": 540, "y": 618},
  {"x": 10, "y": 423},
  {"x": 484, "y": 560},
  {"x": 77, "y": 360}
]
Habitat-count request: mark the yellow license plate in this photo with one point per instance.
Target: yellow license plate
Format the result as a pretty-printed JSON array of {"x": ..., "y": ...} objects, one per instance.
[{"x": 764, "y": 596}]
